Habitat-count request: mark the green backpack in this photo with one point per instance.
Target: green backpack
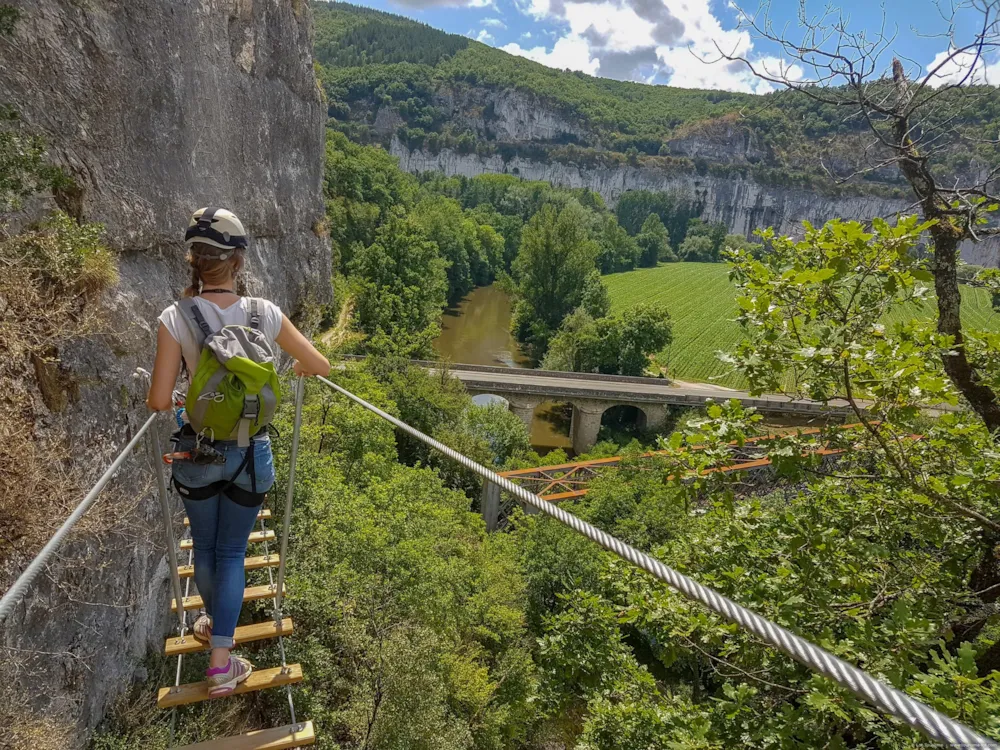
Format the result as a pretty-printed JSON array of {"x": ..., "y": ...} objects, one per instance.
[{"x": 234, "y": 389}]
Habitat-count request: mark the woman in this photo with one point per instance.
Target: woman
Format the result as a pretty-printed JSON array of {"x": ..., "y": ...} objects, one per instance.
[{"x": 221, "y": 526}]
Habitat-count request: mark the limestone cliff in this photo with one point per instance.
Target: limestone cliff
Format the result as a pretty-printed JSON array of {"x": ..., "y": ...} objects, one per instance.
[
  {"x": 742, "y": 204},
  {"x": 155, "y": 107}
]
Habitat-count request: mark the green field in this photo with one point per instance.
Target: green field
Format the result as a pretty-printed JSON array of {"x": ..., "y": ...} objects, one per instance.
[{"x": 701, "y": 301}]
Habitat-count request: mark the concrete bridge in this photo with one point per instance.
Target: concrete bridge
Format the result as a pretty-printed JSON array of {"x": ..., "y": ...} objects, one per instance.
[{"x": 592, "y": 395}]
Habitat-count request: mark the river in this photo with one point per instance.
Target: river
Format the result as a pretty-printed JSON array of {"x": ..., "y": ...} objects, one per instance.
[{"x": 477, "y": 332}]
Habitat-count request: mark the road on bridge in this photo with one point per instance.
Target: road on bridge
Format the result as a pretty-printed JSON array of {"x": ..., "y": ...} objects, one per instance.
[{"x": 505, "y": 381}]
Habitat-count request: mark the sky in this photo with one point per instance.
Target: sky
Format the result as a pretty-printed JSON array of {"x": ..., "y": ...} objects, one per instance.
[{"x": 677, "y": 42}]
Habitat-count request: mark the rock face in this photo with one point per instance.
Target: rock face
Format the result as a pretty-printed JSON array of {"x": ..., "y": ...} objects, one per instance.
[
  {"x": 156, "y": 107},
  {"x": 742, "y": 205},
  {"x": 506, "y": 115}
]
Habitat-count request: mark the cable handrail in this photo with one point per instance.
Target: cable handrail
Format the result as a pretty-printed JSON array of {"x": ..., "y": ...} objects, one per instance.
[
  {"x": 912, "y": 712},
  {"x": 20, "y": 587}
]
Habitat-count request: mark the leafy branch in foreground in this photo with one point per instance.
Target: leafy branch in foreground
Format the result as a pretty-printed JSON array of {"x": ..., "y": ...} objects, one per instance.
[{"x": 913, "y": 119}]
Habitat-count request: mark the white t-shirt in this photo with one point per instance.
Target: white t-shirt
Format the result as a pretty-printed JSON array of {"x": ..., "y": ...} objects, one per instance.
[{"x": 237, "y": 313}]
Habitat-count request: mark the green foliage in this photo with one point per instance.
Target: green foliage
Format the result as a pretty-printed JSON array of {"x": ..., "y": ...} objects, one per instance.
[
  {"x": 410, "y": 617},
  {"x": 703, "y": 242},
  {"x": 348, "y": 35},
  {"x": 631, "y": 115},
  {"x": 65, "y": 257},
  {"x": 617, "y": 345},
  {"x": 837, "y": 286},
  {"x": 373, "y": 61},
  {"x": 595, "y": 300},
  {"x": 24, "y": 169},
  {"x": 673, "y": 209},
  {"x": 554, "y": 261},
  {"x": 618, "y": 251},
  {"x": 363, "y": 187},
  {"x": 9, "y": 16},
  {"x": 458, "y": 238},
  {"x": 399, "y": 282},
  {"x": 654, "y": 242},
  {"x": 702, "y": 306}
]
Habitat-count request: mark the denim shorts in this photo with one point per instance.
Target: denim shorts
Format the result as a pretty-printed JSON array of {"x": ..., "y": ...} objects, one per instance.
[{"x": 190, "y": 474}]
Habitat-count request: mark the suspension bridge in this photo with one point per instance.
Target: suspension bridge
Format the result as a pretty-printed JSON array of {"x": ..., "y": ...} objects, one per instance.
[{"x": 936, "y": 726}]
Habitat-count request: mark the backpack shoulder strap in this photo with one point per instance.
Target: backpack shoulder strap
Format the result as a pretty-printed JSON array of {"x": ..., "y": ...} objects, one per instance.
[
  {"x": 195, "y": 320},
  {"x": 254, "y": 313}
]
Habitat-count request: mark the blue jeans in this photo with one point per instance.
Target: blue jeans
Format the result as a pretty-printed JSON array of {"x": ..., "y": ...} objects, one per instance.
[{"x": 220, "y": 529}]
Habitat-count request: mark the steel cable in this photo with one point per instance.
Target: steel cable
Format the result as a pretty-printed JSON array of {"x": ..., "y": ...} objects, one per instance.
[
  {"x": 24, "y": 581},
  {"x": 912, "y": 712}
]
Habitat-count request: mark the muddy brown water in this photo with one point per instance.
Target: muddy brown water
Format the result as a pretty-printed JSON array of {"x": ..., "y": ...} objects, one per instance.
[{"x": 477, "y": 332}]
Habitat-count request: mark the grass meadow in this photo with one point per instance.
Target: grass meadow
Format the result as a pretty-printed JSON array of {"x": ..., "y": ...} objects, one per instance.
[{"x": 702, "y": 306}]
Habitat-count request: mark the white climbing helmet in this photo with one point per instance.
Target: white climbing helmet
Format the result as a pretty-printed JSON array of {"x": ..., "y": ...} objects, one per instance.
[{"x": 217, "y": 227}]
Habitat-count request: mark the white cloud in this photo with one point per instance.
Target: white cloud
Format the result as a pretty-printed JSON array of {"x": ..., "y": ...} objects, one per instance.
[
  {"x": 494, "y": 22},
  {"x": 483, "y": 36},
  {"x": 958, "y": 67},
  {"x": 617, "y": 38},
  {"x": 424, "y": 4},
  {"x": 572, "y": 53},
  {"x": 526, "y": 35}
]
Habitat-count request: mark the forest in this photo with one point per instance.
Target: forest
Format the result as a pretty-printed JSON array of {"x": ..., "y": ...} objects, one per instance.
[{"x": 369, "y": 60}]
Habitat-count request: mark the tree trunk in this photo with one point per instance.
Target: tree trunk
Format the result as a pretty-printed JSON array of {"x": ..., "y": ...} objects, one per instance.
[
  {"x": 947, "y": 239},
  {"x": 949, "y": 303}
]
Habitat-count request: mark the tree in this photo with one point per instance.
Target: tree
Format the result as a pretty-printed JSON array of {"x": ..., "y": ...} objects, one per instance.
[
  {"x": 618, "y": 251},
  {"x": 400, "y": 285},
  {"x": 698, "y": 248},
  {"x": 654, "y": 242},
  {"x": 551, "y": 269},
  {"x": 620, "y": 344},
  {"x": 596, "y": 301},
  {"x": 674, "y": 210},
  {"x": 737, "y": 243},
  {"x": 457, "y": 238},
  {"x": 363, "y": 187},
  {"x": 913, "y": 118}
]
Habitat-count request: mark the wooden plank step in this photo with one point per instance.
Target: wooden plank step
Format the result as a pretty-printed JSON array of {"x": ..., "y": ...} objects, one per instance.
[
  {"x": 257, "y": 536},
  {"x": 259, "y": 679},
  {"x": 279, "y": 738},
  {"x": 250, "y": 594},
  {"x": 266, "y": 513},
  {"x": 258, "y": 631},
  {"x": 251, "y": 563}
]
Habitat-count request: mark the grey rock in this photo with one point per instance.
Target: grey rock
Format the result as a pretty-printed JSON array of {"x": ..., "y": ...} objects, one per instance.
[
  {"x": 742, "y": 204},
  {"x": 156, "y": 107}
]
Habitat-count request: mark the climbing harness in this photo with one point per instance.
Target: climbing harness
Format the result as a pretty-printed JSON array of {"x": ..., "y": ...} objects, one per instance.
[{"x": 910, "y": 711}]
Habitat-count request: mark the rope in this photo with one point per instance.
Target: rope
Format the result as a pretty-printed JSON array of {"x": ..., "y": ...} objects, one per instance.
[
  {"x": 285, "y": 528},
  {"x": 935, "y": 725},
  {"x": 24, "y": 581}
]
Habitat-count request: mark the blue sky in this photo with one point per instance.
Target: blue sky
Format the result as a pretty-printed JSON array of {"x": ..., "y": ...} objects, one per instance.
[{"x": 668, "y": 41}]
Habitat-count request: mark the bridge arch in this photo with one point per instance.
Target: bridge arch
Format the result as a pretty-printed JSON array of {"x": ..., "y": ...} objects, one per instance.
[{"x": 588, "y": 415}]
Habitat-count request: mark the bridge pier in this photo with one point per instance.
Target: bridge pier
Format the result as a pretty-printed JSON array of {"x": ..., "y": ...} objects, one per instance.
[
  {"x": 656, "y": 414},
  {"x": 586, "y": 424},
  {"x": 490, "y": 505},
  {"x": 524, "y": 408}
]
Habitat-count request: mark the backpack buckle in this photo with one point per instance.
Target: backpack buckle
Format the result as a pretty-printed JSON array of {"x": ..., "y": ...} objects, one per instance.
[{"x": 251, "y": 407}]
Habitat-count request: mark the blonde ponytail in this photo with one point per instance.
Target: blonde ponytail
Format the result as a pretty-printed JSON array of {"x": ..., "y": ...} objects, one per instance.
[{"x": 195, "y": 288}]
